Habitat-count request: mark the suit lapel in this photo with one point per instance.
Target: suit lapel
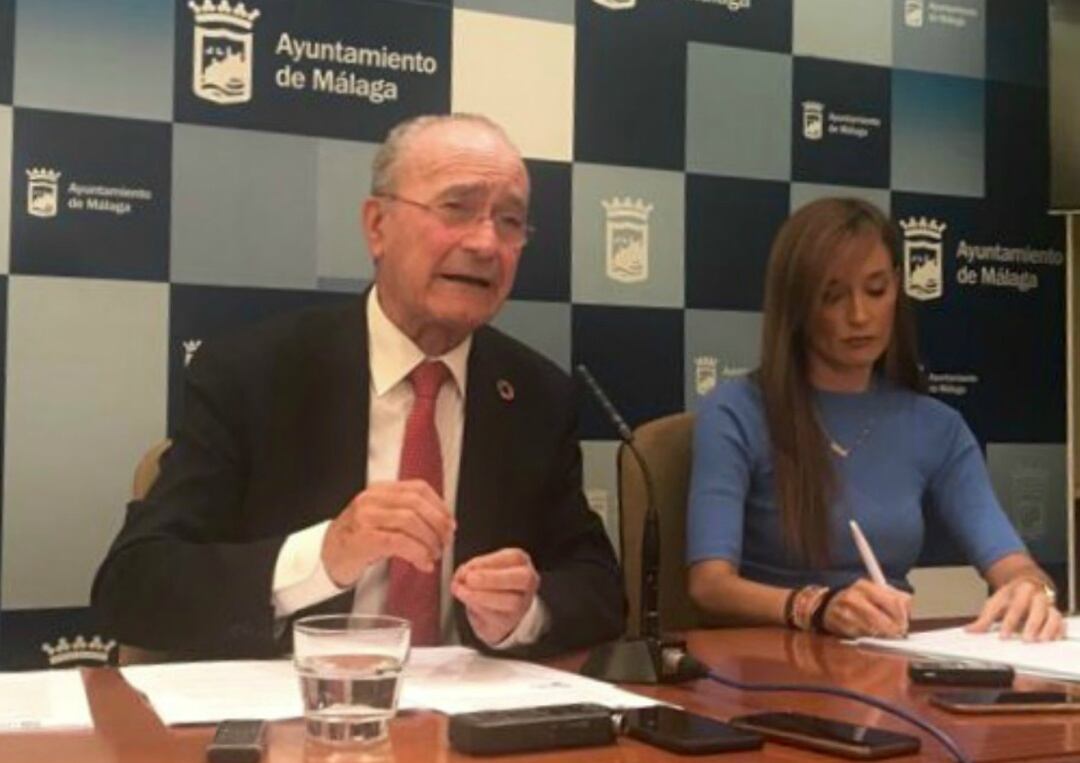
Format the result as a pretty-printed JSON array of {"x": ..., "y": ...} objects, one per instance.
[
  {"x": 346, "y": 403},
  {"x": 488, "y": 425}
]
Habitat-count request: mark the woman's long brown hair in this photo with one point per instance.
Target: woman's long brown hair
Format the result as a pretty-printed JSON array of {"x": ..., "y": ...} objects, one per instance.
[{"x": 802, "y": 251}]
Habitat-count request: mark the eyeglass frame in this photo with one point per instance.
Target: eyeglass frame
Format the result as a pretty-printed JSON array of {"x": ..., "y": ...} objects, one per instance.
[{"x": 527, "y": 230}]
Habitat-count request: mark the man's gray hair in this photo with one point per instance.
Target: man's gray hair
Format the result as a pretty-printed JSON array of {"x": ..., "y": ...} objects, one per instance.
[{"x": 384, "y": 167}]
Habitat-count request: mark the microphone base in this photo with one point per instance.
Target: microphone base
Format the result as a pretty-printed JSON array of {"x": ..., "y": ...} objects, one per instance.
[{"x": 634, "y": 661}]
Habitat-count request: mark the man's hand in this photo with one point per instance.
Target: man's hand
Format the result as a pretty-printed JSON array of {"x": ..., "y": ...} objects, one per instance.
[
  {"x": 403, "y": 519},
  {"x": 497, "y": 590},
  {"x": 1021, "y": 602},
  {"x": 867, "y": 609}
]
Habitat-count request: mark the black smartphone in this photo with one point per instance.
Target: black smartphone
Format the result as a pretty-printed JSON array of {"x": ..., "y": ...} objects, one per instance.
[
  {"x": 991, "y": 701},
  {"x": 825, "y": 735},
  {"x": 502, "y": 732},
  {"x": 687, "y": 733},
  {"x": 960, "y": 673},
  {"x": 237, "y": 741}
]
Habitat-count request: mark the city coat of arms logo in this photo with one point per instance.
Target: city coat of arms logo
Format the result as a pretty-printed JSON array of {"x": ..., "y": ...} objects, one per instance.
[
  {"x": 627, "y": 239},
  {"x": 923, "y": 246},
  {"x": 813, "y": 120},
  {"x": 914, "y": 13},
  {"x": 222, "y": 51},
  {"x": 42, "y": 192},
  {"x": 706, "y": 368}
]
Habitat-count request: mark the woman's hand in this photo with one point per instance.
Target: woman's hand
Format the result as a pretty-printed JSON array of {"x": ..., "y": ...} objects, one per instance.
[
  {"x": 867, "y": 609},
  {"x": 1022, "y": 607}
]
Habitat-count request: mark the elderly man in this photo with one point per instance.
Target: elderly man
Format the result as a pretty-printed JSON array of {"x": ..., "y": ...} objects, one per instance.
[{"x": 393, "y": 454}]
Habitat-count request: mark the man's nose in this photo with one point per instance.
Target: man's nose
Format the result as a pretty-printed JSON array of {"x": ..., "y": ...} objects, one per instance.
[{"x": 481, "y": 237}]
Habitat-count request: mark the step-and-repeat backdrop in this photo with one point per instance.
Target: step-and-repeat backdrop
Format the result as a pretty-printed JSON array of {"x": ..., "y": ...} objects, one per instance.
[{"x": 175, "y": 168}]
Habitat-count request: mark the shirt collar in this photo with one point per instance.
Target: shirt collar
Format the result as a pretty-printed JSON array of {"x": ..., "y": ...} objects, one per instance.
[{"x": 393, "y": 356}]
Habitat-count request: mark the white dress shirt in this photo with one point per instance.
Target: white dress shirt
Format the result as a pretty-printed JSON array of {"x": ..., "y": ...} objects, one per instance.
[{"x": 300, "y": 578}]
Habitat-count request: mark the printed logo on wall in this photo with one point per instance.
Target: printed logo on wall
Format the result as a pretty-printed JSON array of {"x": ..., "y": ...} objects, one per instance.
[
  {"x": 42, "y": 192},
  {"x": 78, "y": 651},
  {"x": 1028, "y": 500},
  {"x": 626, "y": 5},
  {"x": 956, "y": 14},
  {"x": 914, "y": 13},
  {"x": 627, "y": 239},
  {"x": 222, "y": 52},
  {"x": 191, "y": 346},
  {"x": 705, "y": 374},
  {"x": 813, "y": 120},
  {"x": 923, "y": 256}
]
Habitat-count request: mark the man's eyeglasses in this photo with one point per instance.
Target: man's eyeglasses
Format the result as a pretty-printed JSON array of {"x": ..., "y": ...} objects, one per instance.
[{"x": 510, "y": 226}]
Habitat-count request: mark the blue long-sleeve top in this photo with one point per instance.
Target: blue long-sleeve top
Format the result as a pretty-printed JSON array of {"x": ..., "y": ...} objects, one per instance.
[{"x": 907, "y": 451}]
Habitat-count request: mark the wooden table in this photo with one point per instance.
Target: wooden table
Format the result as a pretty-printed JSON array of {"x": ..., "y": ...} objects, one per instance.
[{"x": 127, "y": 730}]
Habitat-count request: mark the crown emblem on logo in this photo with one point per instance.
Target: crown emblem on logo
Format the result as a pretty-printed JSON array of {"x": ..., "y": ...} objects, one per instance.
[
  {"x": 43, "y": 175},
  {"x": 224, "y": 13},
  {"x": 923, "y": 227},
  {"x": 637, "y": 209},
  {"x": 64, "y": 651},
  {"x": 616, "y": 5},
  {"x": 191, "y": 346}
]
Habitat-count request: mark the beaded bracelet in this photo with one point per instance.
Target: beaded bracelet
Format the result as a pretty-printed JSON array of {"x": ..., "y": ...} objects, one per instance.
[
  {"x": 789, "y": 607},
  {"x": 806, "y": 602},
  {"x": 818, "y": 620}
]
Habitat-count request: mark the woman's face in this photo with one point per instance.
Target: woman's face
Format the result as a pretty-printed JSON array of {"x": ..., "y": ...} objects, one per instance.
[{"x": 851, "y": 320}]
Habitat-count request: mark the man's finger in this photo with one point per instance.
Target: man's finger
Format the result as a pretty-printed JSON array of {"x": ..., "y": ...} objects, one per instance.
[
  {"x": 493, "y": 603},
  {"x": 504, "y": 557},
  {"x": 504, "y": 579}
]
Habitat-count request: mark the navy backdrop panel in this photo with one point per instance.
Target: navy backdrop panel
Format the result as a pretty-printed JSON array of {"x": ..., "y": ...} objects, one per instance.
[{"x": 189, "y": 167}]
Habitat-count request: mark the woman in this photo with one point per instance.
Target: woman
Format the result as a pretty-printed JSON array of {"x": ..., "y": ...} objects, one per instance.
[{"x": 832, "y": 427}]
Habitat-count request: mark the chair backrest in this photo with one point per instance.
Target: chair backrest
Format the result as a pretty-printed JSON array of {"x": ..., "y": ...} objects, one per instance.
[
  {"x": 664, "y": 444},
  {"x": 146, "y": 474},
  {"x": 148, "y": 469}
]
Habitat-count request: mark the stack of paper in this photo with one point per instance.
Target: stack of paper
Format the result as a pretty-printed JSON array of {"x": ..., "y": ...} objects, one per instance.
[
  {"x": 43, "y": 699},
  {"x": 447, "y": 679},
  {"x": 1050, "y": 659}
]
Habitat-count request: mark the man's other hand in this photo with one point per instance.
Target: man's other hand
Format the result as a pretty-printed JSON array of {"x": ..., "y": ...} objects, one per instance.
[{"x": 497, "y": 590}]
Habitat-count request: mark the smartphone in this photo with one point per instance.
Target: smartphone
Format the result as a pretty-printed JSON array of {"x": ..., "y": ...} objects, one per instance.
[
  {"x": 824, "y": 735},
  {"x": 961, "y": 673},
  {"x": 991, "y": 701},
  {"x": 237, "y": 741},
  {"x": 687, "y": 733}
]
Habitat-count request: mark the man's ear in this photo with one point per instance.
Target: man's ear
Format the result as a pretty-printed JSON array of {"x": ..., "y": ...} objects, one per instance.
[{"x": 372, "y": 219}]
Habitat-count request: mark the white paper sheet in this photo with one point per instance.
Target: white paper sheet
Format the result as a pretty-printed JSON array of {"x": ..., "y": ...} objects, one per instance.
[
  {"x": 43, "y": 699},
  {"x": 208, "y": 692},
  {"x": 1051, "y": 659},
  {"x": 447, "y": 679},
  {"x": 457, "y": 680}
]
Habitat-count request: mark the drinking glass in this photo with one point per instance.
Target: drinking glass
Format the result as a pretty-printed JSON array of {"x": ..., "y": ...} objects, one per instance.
[{"x": 350, "y": 675}]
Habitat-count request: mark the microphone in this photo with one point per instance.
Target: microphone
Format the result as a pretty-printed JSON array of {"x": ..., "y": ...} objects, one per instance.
[
  {"x": 648, "y": 659},
  {"x": 650, "y": 536}
]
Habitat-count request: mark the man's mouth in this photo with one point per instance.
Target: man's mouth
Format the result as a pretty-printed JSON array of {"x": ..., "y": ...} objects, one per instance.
[{"x": 468, "y": 280}]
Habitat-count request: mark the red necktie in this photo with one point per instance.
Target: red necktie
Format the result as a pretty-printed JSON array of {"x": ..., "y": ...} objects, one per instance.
[{"x": 412, "y": 594}]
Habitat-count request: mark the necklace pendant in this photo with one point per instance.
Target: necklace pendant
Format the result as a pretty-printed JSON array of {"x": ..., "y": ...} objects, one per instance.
[{"x": 839, "y": 449}]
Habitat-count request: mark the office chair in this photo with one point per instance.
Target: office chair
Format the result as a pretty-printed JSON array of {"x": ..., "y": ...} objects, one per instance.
[
  {"x": 146, "y": 474},
  {"x": 664, "y": 444}
]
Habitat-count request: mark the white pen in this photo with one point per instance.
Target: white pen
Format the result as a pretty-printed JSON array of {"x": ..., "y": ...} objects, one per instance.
[{"x": 868, "y": 559}]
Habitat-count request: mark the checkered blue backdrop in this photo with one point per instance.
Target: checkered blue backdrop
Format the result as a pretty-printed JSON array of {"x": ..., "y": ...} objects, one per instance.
[{"x": 178, "y": 168}]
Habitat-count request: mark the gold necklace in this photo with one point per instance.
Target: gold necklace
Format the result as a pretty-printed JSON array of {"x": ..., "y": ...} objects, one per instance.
[{"x": 839, "y": 449}]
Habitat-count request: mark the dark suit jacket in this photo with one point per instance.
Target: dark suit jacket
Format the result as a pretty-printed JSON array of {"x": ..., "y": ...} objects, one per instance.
[{"x": 274, "y": 438}]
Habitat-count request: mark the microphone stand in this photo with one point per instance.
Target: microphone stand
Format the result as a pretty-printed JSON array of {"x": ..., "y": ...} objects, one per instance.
[{"x": 650, "y": 658}]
